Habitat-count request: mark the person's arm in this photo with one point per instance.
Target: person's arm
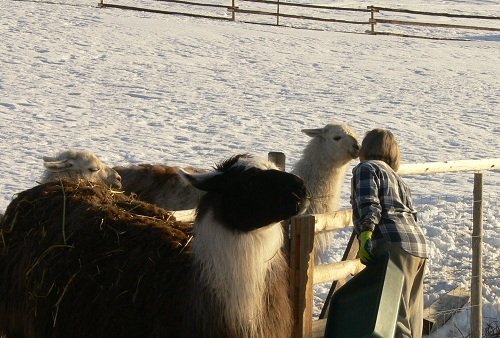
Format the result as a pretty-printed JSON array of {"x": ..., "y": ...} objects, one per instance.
[
  {"x": 366, "y": 206},
  {"x": 366, "y": 200}
]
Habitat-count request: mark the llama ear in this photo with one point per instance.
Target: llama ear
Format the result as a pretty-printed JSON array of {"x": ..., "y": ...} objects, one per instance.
[
  {"x": 318, "y": 132},
  {"x": 50, "y": 159},
  {"x": 206, "y": 181},
  {"x": 57, "y": 165}
]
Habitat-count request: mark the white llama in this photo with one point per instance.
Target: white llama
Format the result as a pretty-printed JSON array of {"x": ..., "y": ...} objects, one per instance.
[
  {"x": 79, "y": 164},
  {"x": 323, "y": 167}
]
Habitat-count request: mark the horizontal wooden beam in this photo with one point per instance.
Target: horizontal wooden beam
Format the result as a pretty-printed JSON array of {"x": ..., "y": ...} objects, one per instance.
[
  {"x": 336, "y": 271},
  {"x": 449, "y": 166},
  {"x": 157, "y": 11},
  {"x": 430, "y": 24},
  {"x": 332, "y": 221},
  {"x": 185, "y": 215},
  {"x": 303, "y": 17},
  {"x": 444, "y": 308},
  {"x": 283, "y": 3},
  {"x": 196, "y": 3},
  {"x": 449, "y": 15}
]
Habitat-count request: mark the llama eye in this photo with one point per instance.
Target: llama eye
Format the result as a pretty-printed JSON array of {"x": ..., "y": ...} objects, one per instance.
[
  {"x": 93, "y": 170},
  {"x": 336, "y": 138}
]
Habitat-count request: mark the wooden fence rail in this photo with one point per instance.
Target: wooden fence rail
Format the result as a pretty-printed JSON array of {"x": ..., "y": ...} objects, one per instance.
[
  {"x": 429, "y": 24},
  {"x": 294, "y": 16},
  {"x": 303, "y": 272},
  {"x": 236, "y": 7},
  {"x": 449, "y": 15},
  {"x": 290, "y": 4},
  {"x": 197, "y": 4}
]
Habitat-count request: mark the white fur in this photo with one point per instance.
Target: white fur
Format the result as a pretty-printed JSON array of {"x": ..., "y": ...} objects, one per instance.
[
  {"x": 79, "y": 164},
  {"x": 230, "y": 259},
  {"x": 255, "y": 162},
  {"x": 323, "y": 167}
]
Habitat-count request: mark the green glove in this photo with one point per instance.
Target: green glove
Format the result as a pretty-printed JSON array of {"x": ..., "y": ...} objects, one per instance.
[{"x": 365, "y": 247}]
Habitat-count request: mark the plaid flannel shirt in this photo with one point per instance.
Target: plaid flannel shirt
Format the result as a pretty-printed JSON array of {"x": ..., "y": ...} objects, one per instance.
[{"x": 381, "y": 202}]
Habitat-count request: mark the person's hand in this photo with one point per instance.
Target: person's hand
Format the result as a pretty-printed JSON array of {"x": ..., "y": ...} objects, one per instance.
[{"x": 365, "y": 247}]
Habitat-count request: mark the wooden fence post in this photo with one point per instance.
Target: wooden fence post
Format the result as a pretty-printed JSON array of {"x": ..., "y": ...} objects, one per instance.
[
  {"x": 477, "y": 268},
  {"x": 278, "y": 13},
  {"x": 372, "y": 19},
  {"x": 277, "y": 158},
  {"x": 233, "y": 10},
  {"x": 301, "y": 274}
]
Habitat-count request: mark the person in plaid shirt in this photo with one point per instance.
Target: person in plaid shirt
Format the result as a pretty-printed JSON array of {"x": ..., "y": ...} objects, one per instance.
[{"x": 386, "y": 221}]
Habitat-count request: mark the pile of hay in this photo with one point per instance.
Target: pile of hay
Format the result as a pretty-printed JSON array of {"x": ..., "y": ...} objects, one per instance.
[{"x": 100, "y": 246}]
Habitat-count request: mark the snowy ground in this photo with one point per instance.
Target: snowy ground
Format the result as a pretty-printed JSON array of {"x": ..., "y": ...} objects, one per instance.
[{"x": 139, "y": 87}]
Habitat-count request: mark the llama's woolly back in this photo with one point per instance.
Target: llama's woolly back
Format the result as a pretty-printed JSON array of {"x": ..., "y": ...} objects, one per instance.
[
  {"x": 92, "y": 275},
  {"x": 160, "y": 185}
]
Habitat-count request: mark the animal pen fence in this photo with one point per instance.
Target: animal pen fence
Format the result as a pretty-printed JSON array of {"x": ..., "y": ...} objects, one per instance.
[
  {"x": 372, "y": 19},
  {"x": 304, "y": 275}
]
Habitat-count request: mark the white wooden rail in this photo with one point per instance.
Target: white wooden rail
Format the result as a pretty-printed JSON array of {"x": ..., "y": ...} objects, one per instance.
[
  {"x": 449, "y": 167},
  {"x": 303, "y": 274},
  {"x": 343, "y": 218}
]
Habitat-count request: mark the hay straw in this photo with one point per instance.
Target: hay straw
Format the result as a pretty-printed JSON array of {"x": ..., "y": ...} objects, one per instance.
[
  {"x": 63, "y": 213},
  {"x": 134, "y": 297},
  {"x": 61, "y": 297},
  {"x": 185, "y": 245},
  {"x": 8, "y": 231},
  {"x": 39, "y": 259}
]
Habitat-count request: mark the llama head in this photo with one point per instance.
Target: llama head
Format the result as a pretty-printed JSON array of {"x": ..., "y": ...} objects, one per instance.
[
  {"x": 244, "y": 193},
  {"x": 336, "y": 142},
  {"x": 79, "y": 164}
]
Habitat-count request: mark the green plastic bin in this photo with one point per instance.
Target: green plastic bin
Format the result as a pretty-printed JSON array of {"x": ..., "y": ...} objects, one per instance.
[{"x": 367, "y": 305}]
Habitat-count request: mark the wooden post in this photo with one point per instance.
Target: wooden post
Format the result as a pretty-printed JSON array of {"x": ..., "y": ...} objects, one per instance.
[
  {"x": 372, "y": 19},
  {"x": 277, "y": 158},
  {"x": 233, "y": 14},
  {"x": 477, "y": 266},
  {"x": 101, "y": 3},
  {"x": 301, "y": 274},
  {"x": 278, "y": 13}
]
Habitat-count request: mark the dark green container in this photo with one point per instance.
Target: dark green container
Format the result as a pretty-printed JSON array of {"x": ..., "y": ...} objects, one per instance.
[{"x": 367, "y": 305}]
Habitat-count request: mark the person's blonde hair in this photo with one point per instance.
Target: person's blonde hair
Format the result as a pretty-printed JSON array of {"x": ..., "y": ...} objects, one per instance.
[{"x": 380, "y": 144}]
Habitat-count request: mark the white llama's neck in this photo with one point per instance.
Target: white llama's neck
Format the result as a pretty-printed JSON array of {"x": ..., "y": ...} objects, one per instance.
[{"x": 324, "y": 184}]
